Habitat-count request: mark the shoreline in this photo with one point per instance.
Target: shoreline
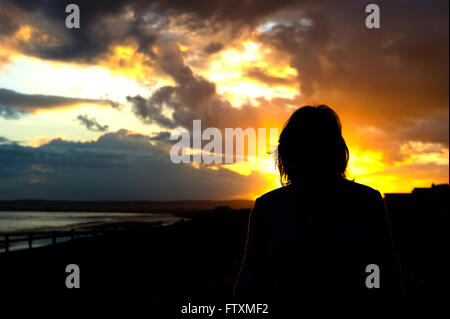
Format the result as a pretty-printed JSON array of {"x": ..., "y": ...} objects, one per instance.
[{"x": 44, "y": 236}]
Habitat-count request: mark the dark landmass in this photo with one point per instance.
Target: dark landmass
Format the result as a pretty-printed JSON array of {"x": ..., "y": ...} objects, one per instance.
[
  {"x": 193, "y": 260},
  {"x": 120, "y": 206},
  {"x": 198, "y": 260}
]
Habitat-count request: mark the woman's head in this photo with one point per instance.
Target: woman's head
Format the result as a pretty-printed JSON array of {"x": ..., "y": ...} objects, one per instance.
[{"x": 311, "y": 147}]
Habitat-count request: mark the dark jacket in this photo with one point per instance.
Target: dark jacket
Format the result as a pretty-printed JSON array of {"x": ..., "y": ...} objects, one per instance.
[{"x": 318, "y": 242}]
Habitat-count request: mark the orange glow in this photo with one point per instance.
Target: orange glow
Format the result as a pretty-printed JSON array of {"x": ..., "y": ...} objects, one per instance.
[
  {"x": 228, "y": 71},
  {"x": 366, "y": 167},
  {"x": 24, "y": 33},
  {"x": 63, "y": 108},
  {"x": 126, "y": 61}
]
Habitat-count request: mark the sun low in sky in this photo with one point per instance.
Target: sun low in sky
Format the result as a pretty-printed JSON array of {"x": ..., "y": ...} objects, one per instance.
[{"x": 87, "y": 113}]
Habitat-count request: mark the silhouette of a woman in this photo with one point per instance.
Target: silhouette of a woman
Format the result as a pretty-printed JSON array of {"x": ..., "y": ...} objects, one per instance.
[{"x": 316, "y": 235}]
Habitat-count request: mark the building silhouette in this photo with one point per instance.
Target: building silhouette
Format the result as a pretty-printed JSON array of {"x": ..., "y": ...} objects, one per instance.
[{"x": 421, "y": 231}]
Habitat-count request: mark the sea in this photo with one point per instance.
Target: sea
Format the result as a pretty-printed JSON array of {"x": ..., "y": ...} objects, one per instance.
[{"x": 16, "y": 222}]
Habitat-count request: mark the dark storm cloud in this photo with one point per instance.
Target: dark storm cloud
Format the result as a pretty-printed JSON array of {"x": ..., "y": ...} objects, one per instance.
[
  {"x": 431, "y": 129},
  {"x": 201, "y": 13},
  {"x": 213, "y": 47},
  {"x": 105, "y": 23},
  {"x": 91, "y": 123},
  {"x": 9, "y": 18},
  {"x": 13, "y": 104},
  {"x": 118, "y": 166},
  {"x": 151, "y": 111},
  {"x": 161, "y": 136},
  {"x": 393, "y": 77},
  {"x": 194, "y": 97}
]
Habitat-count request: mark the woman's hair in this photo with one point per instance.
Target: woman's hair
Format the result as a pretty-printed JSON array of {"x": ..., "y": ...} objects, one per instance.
[{"x": 311, "y": 147}]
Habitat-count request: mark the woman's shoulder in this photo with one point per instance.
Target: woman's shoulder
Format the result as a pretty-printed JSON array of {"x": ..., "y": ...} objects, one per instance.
[
  {"x": 361, "y": 189},
  {"x": 346, "y": 186},
  {"x": 277, "y": 193}
]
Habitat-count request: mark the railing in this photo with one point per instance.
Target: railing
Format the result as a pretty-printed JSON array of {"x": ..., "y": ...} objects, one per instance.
[
  {"x": 11, "y": 238},
  {"x": 7, "y": 239}
]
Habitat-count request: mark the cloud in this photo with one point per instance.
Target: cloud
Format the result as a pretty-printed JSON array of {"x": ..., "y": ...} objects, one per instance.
[
  {"x": 430, "y": 129},
  {"x": 213, "y": 47},
  {"x": 364, "y": 74},
  {"x": 4, "y": 59},
  {"x": 13, "y": 104},
  {"x": 99, "y": 28},
  {"x": 92, "y": 124},
  {"x": 4, "y": 140},
  {"x": 389, "y": 78},
  {"x": 107, "y": 23},
  {"x": 9, "y": 18},
  {"x": 161, "y": 136},
  {"x": 262, "y": 76},
  {"x": 118, "y": 166},
  {"x": 195, "y": 97},
  {"x": 389, "y": 86}
]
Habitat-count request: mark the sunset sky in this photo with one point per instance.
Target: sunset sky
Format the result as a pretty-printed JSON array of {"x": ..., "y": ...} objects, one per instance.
[{"x": 87, "y": 113}]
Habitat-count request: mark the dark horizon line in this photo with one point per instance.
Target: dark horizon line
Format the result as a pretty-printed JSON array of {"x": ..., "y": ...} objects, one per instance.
[
  {"x": 121, "y": 205},
  {"x": 433, "y": 185},
  {"x": 126, "y": 200}
]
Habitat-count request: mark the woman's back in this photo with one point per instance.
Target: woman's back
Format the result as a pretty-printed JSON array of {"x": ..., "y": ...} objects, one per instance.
[{"x": 318, "y": 241}]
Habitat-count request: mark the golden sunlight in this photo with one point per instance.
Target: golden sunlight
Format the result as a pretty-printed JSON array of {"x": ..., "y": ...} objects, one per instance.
[{"x": 229, "y": 71}]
